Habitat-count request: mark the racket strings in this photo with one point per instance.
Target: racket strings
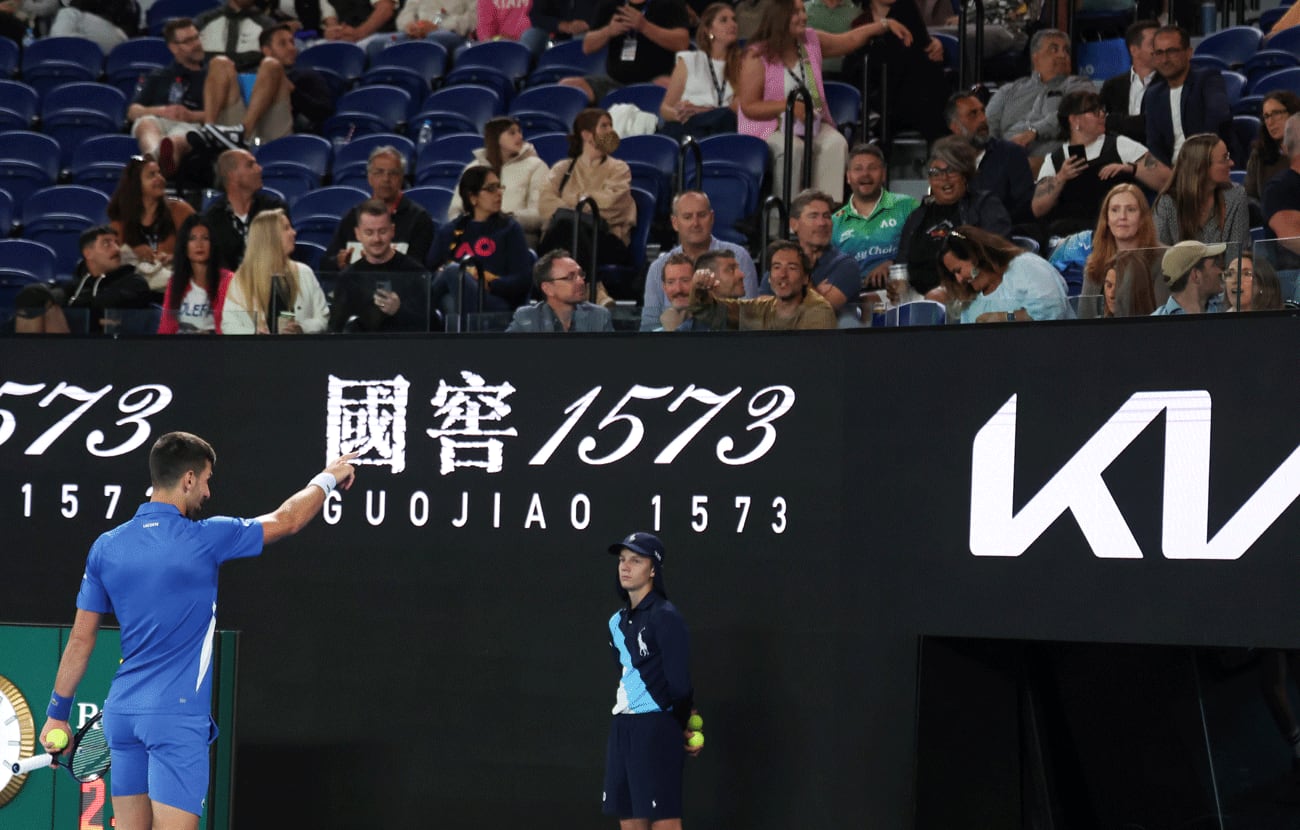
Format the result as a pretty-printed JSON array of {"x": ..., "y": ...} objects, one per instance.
[{"x": 90, "y": 758}]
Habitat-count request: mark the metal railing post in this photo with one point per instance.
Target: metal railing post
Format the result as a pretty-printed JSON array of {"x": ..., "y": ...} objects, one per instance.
[
  {"x": 697, "y": 153},
  {"x": 798, "y": 93}
]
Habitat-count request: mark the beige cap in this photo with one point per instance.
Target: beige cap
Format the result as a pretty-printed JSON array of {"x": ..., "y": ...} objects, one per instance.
[{"x": 1179, "y": 259}]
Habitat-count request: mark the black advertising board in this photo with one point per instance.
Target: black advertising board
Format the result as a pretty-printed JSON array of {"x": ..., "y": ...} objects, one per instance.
[{"x": 435, "y": 648}]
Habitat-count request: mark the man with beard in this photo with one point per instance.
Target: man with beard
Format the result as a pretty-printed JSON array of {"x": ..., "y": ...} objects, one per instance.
[
  {"x": 103, "y": 282},
  {"x": 157, "y": 574},
  {"x": 830, "y": 273},
  {"x": 385, "y": 290},
  {"x": 867, "y": 227},
  {"x": 692, "y": 218},
  {"x": 1185, "y": 100},
  {"x": 792, "y": 305},
  {"x": 1002, "y": 167},
  {"x": 727, "y": 278}
]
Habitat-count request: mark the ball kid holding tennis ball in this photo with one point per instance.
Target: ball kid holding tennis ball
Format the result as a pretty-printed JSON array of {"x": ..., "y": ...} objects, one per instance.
[
  {"x": 157, "y": 574},
  {"x": 652, "y": 732}
]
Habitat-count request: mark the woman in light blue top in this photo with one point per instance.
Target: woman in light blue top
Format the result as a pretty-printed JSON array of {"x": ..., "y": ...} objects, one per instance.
[{"x": 998, "y": 281}]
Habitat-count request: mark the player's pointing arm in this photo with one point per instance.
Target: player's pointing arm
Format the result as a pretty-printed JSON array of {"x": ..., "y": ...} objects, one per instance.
[{"x": 299, "y": 509}]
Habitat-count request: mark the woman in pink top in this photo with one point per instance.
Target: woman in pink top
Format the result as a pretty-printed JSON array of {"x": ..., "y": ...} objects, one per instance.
[
  {"x": 503, "y": 19},
  {"x": 786, "y": 54}
]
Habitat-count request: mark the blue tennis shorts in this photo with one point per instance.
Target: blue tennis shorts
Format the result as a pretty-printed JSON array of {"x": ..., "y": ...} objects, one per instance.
[
  {"x": 643, "y": 767},
  {"x": 164, "y": 755}
]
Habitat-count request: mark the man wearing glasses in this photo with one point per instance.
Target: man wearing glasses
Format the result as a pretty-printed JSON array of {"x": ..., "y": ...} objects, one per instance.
[
  {"x": 1072, "y": 188},
  {"x": 565, "y": 308},
  {"x": 1184, "y": 100}
]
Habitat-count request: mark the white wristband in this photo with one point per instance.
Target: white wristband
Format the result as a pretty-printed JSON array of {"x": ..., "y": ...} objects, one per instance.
[{"x": 325, "y": 481}]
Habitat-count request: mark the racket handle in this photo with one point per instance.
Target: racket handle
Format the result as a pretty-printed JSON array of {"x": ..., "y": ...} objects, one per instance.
[{"x": 26, "y": 765}]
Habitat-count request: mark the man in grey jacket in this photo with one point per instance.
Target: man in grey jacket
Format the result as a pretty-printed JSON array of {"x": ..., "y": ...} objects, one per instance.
[
  {"x": 564, "y": 285},
  {"x": 1024, "y": 111}
]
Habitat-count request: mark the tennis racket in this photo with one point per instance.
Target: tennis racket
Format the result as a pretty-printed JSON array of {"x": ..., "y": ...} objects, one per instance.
[{"x": 85, "y": 759}]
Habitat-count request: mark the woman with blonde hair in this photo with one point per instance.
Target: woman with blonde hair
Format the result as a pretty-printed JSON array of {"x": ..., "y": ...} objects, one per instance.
[
  {"x": 266, "y": 270},
  {"x": 701, "y": 95},
  {"x": 1201, "y": 202}
]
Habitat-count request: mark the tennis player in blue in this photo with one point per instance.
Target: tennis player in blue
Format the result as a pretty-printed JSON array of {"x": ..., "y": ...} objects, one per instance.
[
  {"x": 647, "y": 738},
  {"x": 157, "y": 574}
]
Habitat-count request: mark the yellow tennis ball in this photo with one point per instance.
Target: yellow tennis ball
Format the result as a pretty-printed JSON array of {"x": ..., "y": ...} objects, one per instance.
[
  {"x": 57, "y": 738},
  {"x": 696, "y": 739},
  {"x": 695, "y": 723}
]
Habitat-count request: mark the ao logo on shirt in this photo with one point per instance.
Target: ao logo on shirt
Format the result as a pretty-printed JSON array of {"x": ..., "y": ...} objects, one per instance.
[{"x": 484, "y": 246}]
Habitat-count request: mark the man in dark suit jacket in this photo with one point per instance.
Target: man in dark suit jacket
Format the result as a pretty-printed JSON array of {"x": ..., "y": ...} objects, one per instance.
[
  {"x": 1203, "y": 98},
  {"x": 1123, "y": 94},
  {"x": 1003, "y": 165}
]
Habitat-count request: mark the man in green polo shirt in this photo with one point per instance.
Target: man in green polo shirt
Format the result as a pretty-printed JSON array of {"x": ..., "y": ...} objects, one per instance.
[{"x": 869, "y": 224}]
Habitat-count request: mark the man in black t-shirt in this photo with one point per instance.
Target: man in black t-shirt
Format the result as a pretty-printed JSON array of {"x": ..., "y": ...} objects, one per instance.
[
  {"x": 170, "y": 102},
  {"x": 643, "y": 39},
  {"x": 384, "y": 290}
]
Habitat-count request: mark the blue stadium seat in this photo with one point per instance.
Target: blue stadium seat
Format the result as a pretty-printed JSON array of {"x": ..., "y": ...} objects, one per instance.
[
  {"x": 547, "y": 108},
  {"x": 50, "y": 61},
  {"x": 551, "y": 147},
  {"x": 1268, "y": 60},
  {"x": 746, "y": 151},
  {"x": 72, "y": 113},
  {"x": 1288, "y": 79},
  {"x": 9, "y": 58},
  {"x": 566, "y": 59},
  {"x": 1287, "y": 40},
  {"x": 951, "y": 47},
  {"x": 1269, "y": 17},
  {"x": 733, "y": 198},
  {"x": 844, "y": 102},
  {"x": 620, "y": 280},
  {"x": 436, "y": 200},
  {"x": 56, "y": 216},
  {"x": 366, "y": 110},
  {"x": 308, "y": 253},
  {"x": 6, "y": 214},
  {"x": 653, "y": 163},
  {"x": 1102, "y": 60},
  {"x": 163, "y": 10},
  {"x": 310, "y": 151},
  {"x": 1235, "y": 45},
  {"x": 457, "y": 109},
  {"x": 28, "y": 161},
  {"x": 413, "y": 65},
  {"x": 19, "y": 104},
  {"x": 351, "y": 159},
  {"x": 316, "y": 215},
  {"x": 127, "y": 64},
  {"x": 510, "y": 58},
  {"x": 22, "y": 256},
  {"x": 645, "y": 97},
  {"x": 1246, "y": 129},
  {"x": 1210, "y": 62},
  {"x": 98, "y": 161},
  {"x": 443, "y": 160},
  {"x": 485, "y": 76},
  {"x": 341, "y": 63}
]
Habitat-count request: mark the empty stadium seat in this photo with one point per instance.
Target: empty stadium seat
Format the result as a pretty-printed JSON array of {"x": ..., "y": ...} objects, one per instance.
[
  {"x": 566, "y": 59},
  {"x": 317, "y": 214},
  {"x": 340, "y": 62},
  {"x": 50, "y": 61},
  {"x": 436, "y": 200},
  {"x": 56, "y": 216},
  {"x": 551, "y": 147},
  {"x": 1234, "y": 45},
  {"x": 414, "y": 65},
  {"x": 72, "y": 113},
  {"x": 163, "y": 10},
  {"x": 456, "y": 109},
  {"x": 98, "y": 161},
  {"x": 19, "y": 105},
  {"x": 443, "y": 160},
  {"x": 28, "y": 161},
  {"x": 547, "y": 108},
  {"x": 129, "y": 63},
  {"x": 645, "y": 97},
  {"x": 366, "y": 110}
]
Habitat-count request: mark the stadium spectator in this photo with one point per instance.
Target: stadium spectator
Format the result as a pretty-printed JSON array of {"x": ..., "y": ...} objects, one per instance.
[
  {"x": 557, "y": 21},
  {"x": 728, "y": 282},
  {"x": 523, "y": 174},
  {"x": 233, "y": 30},
  {"x": 493, "y": 238},
  {"x": 1123, "y": 94},
  {"x": 792, "y": 305},
  {"x": 787, "y": 54},
  {"x": 284, "y": 99},
  {"x": 678, "y": 274},
  {"x": 590, "y": 170},
  {"x": 385, "y": 290},
  {"x": 502, "y": 19},
  {"x": 914, "y": 76},
  {"x": 701, "y": 95},
  {"x": 1199, "y": 94},
  {"x": 355, "y": 20},
  {"x": 101, "y": 283},
  {"x": 1124, "y": 243},
  {"x": 1002, "y": 281},
  {"x": 831, "y": 273},
  {"x": 196, "y": 293},
  {"x": 1266, "y": 156},
  {"x": 642, "y": 37},
  {"x": 170, "y": 103},
  {"x": 230, "y": 214},
  {"x": 1024, "y": 111},
  {"x": 1201, "y": 201},
  {"x": 836, "y": 17},
  {"x": 1252, "y": 284},
  {"x": 1194, "y": 273},
  {"x": 108, "y": 23},
  {"x": 446, "y": 22},
  {"x": 37, "y": 310},
  {"x": 867, "y": 228},
  {"x": 1002, "y": 167},
  {"x": 1282, "y": 202},
  {"x": 564, "y": 307},
  {"x": 1070, "y": 189},
  {"x": 692, "y": 218},
  {"x": 145, "y": 219},
  {"x": 385, "y": 172},
  {"x": 1006, "y": 24},
  {"x": 951, "y": 203},
  {"x": 270, "y": 288}
]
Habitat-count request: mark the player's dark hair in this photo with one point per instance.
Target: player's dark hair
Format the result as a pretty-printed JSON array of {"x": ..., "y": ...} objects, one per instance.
[{"x": 175, "y": 454}]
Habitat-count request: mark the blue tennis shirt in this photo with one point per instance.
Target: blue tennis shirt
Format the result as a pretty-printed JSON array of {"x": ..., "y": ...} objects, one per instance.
[{"x": 157, "y": 573}]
